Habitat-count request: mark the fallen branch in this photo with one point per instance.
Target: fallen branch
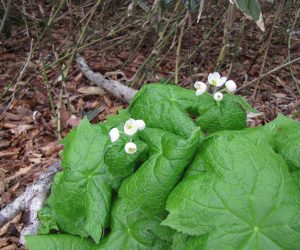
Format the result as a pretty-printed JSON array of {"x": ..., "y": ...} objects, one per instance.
[
  {"x": 115, "y": 88},
  {"x": 40, "y": 187}
]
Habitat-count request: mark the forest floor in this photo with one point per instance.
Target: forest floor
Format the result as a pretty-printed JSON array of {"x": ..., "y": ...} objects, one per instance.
[{"x": 33, "y": 97}]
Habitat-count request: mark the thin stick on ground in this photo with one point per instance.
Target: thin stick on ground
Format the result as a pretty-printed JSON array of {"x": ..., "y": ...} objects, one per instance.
[
  {"x": 18, "y": 79},
  {"x": 280, "y": 7},
  {"x": 270, "y": 72}
]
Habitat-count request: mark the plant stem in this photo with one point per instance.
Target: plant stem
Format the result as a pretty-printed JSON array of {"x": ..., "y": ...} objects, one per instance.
[
  {"x": 4, "y": 19},
  {"x": 179, "y": 48}
]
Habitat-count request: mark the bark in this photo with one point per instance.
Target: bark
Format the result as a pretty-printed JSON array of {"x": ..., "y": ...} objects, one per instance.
[{"x": 39, "y": 188}]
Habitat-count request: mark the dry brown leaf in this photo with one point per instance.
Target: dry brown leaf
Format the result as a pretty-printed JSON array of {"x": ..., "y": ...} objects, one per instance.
[
  {"x": 73, "y": 121},
  {"x": 95, "y": 104},
  {"x": 21, "y": 128},
  {"x": 9, "y": 152},
  {"x": 78, "y": 77},
  {"x": 11, "y": 117},
  {"x": 108, "y": 102},
  {"x": 91, "y": 91},
  {"x": 65, "y": 115},
  {"x": 35, "y": 158},
  {"x": 4, "y": 144},
  {"x": 19, "y": 173},
  {"x": 114, "y": 75},
  {"x": 10, "y": 247},
  {"x": 8, "y": 125},
  {"x": 3, "y": 243},
  {"x": 279, "y": 95},
  {"x": 14, "y": 188},
  {"x": 3, "y": 230}
]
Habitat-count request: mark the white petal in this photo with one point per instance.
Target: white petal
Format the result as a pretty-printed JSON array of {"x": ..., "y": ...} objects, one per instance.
[
  {"x": 230, "y": 86},
  {"x": 216, "y": 76},
  {"x": 222, "y": 81},
  {"x": 130, "y": 148},
  {"x": 201, "y": 91},
  {"x": 218, "y": 96},
  {"x": 198, "y": 85},
  {"x": 130, "y": 127},
  {"x": 141, "y": 124},
  {"x": 210, "y": 78},
  {"x": 114, "y": 134}
]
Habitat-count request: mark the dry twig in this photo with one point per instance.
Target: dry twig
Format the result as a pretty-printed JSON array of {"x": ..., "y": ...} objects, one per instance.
[{"x": 115, "y": 88}]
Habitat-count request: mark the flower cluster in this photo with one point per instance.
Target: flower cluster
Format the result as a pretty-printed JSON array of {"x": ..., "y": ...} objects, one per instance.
[
  {"x": 131, "y": 127},
  {"x": 215, "y": 80}
]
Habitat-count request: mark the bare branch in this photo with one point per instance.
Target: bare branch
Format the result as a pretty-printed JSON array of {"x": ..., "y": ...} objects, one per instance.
[
  {"x": 39, "y": 188},
  {"x": 115, "y": 88}
]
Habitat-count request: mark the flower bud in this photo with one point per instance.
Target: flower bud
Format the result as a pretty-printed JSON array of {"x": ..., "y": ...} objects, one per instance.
[
  {"x": 130, "y": 148},
  {"x": 218, "y": 96},
  {"x": 230, "y": 86}
]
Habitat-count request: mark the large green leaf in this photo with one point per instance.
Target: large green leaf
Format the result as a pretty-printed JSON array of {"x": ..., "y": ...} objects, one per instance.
[
  {"x": 171, "y": 108},
  {"x": 227, "y": 114},
  {"x": 149, "y": 187},
  {"x": 166, "y": 106},
  {"x": 133, "y": 230},
  {"x": 57, "y": 242},
  {"x": 120, "y": 164},
  {"x": 285, "y": 134},
  {"x": 140, "y": 207},
  {"x": 246, "y": 200},
  {"x": 80, "y": 195}
]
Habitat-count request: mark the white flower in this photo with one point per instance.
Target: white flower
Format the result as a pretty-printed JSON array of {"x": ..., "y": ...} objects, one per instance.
[
  {"x": 218, "y": 96},
  {"x": 130, "y": 148},
  {"x": 216, "y": 80},
  {"x": 200, "y": 87},
  {"x": 230, "y": 86},
  {"x": 141, "y": 124},
  {"x": 130, "y": 127},
  {"x": 114, "y": 134}
]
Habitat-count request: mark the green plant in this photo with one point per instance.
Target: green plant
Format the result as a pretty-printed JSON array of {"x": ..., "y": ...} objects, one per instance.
[{"x": 184, "y": 186}]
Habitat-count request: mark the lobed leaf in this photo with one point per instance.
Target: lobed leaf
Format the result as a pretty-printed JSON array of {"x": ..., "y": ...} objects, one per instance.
[{"x": 247, "y": 198}]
